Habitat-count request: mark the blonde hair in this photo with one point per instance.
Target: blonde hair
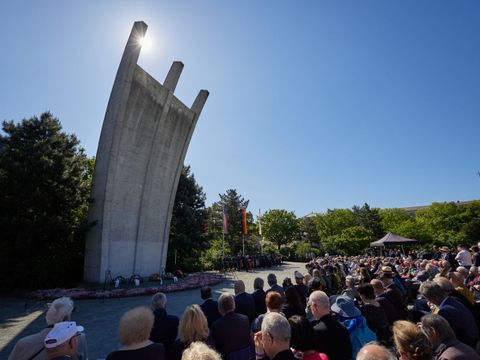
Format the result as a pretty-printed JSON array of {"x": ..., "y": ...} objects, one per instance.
[
  {"x": 59, "y": 310},
  {"x": 136, "y": 325},
  {"x": 411, "y": 341},
  {"x": 193, "y": 325},
  {"x": 200, "y": 351}
]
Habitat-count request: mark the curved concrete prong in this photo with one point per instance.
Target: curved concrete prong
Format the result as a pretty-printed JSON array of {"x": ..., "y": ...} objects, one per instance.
[
  {"x": 173, "y": 75},
  {"x": 200, "y": 102}
]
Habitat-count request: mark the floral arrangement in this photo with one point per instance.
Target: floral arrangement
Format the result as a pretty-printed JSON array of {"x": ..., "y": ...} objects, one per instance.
[
  {"x": 192, "y": 281},
  {"x": 155, "y": 277},
  {"x": 135, "y": 277},
  {"x": 120, "y": 279}
]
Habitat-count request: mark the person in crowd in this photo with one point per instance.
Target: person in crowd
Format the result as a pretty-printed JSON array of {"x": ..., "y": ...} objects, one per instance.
[
  {"x": 273, "y": 340},
  {"x": 374, "y": 351},
  {"x": 193, "y": 327},
  {"x": 293, "y": 304},
  {"x": 475, "y": 255},
  {"x": 346, "y": 312},
  {"x": 32, "y": 346},
  {"x": 350, "y": 291},
  {"x": 259, "y": 297},
  {"x": 463, "y": 272},
  {"x": 393, "y": 314},
  {"x": 330, "y": 337},
  {"x": 244, "y": 303},
  {"x": 392, "y": 292},
  {"x": 458, "y": 316},
  {"x": 61, "y": 342},
  {"x": 447, "y": 286},
  {"x": 373, "y": 312},
  {"x": 134, "y": 330},
  {"x": 232, "y": 331},
  {"x": 165, "y": 327},
  {"x": 274, "y": 303},
  {"x": 287, "y": 282},
  {"x": 410, "y": 342},
  {"x": 301, "y": 341},
  {"x": 458, "y": 283},
  {"x": 200, "y": 351},
  {"x": 443, "y": 340},
  {"x": 448, "y": 256},
  {"x": 464, "y": 258},
  {"x": 209, "y": 306},
  {"x": 301, "y": 288},
  {"x": 272, "y": 282}
]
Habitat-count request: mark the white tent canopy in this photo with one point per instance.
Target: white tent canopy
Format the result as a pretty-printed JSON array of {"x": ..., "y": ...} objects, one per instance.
[{"x": 393, "y": 239}]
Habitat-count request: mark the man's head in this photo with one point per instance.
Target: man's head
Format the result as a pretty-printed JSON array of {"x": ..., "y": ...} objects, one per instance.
[
  {"x": 59, "y": 310},
  {"x": 206, "y": 292},
  {"x": 239, "y": 287},
  {"x": 159, "y": 301},
  {"x": 271, "y": 279},
  {"x": 258, "y": 283},
  {"x": 62, "y": 339},
  {"x": 377, "y": 287},
  {"x": 275, "y": 334},
  {"x": 374, "y": 351},
  {"x": 444, "y": 283},
  {"x": 432, "y": 292},
  {"x": 298, "y": 277},
  {"x": 349, "y": 281},
  {"x": 136, "y": 325},
  {"x": 456, "y": 279},
  {"x": 437, "y": 329},
  {"x": 386, "y": 275},
  {"x": 226, "y": 304},
  {"x": 319, "y": 304}
]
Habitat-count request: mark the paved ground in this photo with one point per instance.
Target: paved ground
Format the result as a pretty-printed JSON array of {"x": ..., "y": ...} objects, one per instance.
[{"x": 100, "y": 318}]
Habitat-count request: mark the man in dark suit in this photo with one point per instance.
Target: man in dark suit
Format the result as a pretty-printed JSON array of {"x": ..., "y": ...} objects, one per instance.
[
  {"x": 393, "y": 313},
  {"x": 330, "y": 337},
  {"x": 272, "y": 281},
  {"x": 244, "y": 303},
  {"x": 232, "y": 331},
  {"x": 458, "y": 316},
  {"x": 165, "y": 327},
  {"x": 209, "y": 306},
  {"x": 301, "y": 288},
  {"x": 259, "y": 297},
  {"x": 274, "y": 338}
]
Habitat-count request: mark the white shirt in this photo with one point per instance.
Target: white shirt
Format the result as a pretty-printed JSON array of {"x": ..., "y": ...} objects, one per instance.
[{"x": 464, "y": 258}]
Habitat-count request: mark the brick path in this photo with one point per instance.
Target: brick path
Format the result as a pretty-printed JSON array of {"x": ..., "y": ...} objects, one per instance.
[{"x": 100, "y": 318}]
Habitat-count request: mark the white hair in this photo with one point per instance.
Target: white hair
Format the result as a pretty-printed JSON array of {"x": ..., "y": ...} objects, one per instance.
[
  {"x": 277, "y": 326},
  {"x": 320, "y": 298},
  {"x": 60, "y": 310},
  {"x": 159, "y": 301}
]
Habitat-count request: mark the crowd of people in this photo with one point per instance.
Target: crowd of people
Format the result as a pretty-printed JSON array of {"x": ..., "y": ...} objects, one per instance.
[
  {"x": 248, "y": 262},
  {"x": 419, "y": 306}
]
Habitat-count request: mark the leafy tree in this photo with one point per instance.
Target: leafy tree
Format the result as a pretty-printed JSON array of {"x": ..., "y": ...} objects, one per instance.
[
  {"x": 351, "y": 241},
  {"x": 308, "y": 230},
  {"x": 333, "y": 222},
  {"x": 368, "y": 218},
  {"x": 304, "y": 249},
  {"x": 187, "y": 229},
  {"x": 45, "y": 180},
  {"x": 392, "y": 219},
  {"x": 280, "y": 227}
]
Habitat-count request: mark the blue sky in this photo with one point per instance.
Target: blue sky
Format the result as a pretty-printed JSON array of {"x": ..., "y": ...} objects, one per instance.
[{"x": 313, "y": 104}]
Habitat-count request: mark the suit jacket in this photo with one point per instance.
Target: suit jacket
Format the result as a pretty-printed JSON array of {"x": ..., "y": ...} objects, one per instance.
[
  {"x": 230, "y": 333},
  {"x": 332, "y": 338},
  {"x": 454, "y": 349},
  {"x": 284, "y": 355},
  {"x": 393, "y": 313},
  {"x": 245, "y": 305},
  {"x": 460, "y": 319},
  {"x": 302, "y": 291},
  {"x": 210, "y": 309},
  {"x": 259, "y": 300},
  {"x": 278, "y": 289},
  {"x": 165, "y": 329},
  {"x": 28, "y": 346}
]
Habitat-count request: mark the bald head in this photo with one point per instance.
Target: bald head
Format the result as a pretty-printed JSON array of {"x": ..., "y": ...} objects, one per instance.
[
  {"x": 319, "y": 304},
  {"x": 239, "y": 287},
  {"x": 374, "y": 352}
]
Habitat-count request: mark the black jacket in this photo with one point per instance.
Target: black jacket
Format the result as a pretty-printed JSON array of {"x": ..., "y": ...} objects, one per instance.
[
  {"x": 210, "y": 309},
  {"x": 259, "y": 300},
  {"x": 332, "y": 338},
  {"x": 245, "y": 305},
  {"x": 231, "y": 332},
  {"x": 165, "y": 328}
]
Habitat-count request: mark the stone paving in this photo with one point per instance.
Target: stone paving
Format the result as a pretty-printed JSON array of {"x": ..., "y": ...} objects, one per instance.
[{"x": 19, "y": 318}]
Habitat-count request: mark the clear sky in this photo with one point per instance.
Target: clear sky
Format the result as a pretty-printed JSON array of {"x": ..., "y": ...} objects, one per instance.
[{"x": 313, "y": 104}]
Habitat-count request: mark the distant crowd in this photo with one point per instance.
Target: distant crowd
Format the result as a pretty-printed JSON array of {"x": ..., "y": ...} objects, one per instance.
[
  {"x": 419, "y": 306},
  {"x": 248, "y": 262}
]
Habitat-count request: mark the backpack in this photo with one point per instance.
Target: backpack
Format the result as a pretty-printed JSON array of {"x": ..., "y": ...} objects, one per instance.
[{"x": 360, "y": 333}]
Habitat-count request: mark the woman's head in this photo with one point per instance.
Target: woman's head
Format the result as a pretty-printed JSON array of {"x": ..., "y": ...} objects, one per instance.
[
  {"x": 366, "y": 291},
  {"x": 302, "y": 334},
  {"x": 136, "y": 325},
  {"x": 410, "y": 342},
  {"x": 200, "y": 351},
  {"x": 273, "y": 300},
  {"x": 59, "y": 310},
  {"x": 291, "y": 297},
  {"x": 193, "y": 325}
]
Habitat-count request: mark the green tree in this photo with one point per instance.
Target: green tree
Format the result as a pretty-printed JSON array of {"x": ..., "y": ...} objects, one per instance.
[
  {"x": 280, "y": 227},
  {"x": 351, "y": 241},
  {"x": 333, "y": 222},
  {"x": 392, "y": 219},
  {"x": 45, "y": 180},
  {"x": 368, "y": 218},
  {"x": 187, "y": 229},
  {"x": 308, "y": 231}
]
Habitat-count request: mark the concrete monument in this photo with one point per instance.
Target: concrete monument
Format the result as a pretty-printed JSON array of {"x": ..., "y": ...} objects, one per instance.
[{"x": 144, "y": 139}]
